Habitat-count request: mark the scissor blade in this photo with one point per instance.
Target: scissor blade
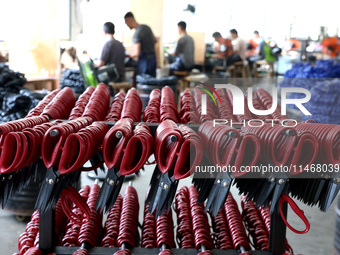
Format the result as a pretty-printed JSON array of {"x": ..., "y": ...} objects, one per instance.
[
  {"x": 332, "y": 190},
  {"x": 221, "y": 195},
  {"x": 319, "y": 189},
  {"x": 106, "y": 189},
  {"x": 265, "y": 192},
  {"x": 46, "y": 190},
  {"x": 7, "y": 189},
  {"x": 163, "y": 191},
  {"x": 212, "y": 196},
  {"x": 171, "y": 195},
  {"x": 203, "y": 192},
  {"x": 153, "y": 185},
  {"x": 277, "y": 194},
  {"x": 154, "y": 203},
  {"x": 115, "y": 193}
]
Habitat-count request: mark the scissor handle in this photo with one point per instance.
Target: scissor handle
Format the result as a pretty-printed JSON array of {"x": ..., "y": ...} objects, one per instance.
[
  {"x": 138, "y": 150},
  {"x": 115, "y": 142},
  {"x": 248, "y": 141},
  {"x": 16, "y": 147},
  {"x": 52, "y": 146},
  {"x": 276, "y": 136},
  {"x": 168, "y": 141},
  {"x": 309, "y": 140},
  {"x": 70, "y": 196},
  {"x": 297, "y": 211},
  {"x": 190, "y": 154}
]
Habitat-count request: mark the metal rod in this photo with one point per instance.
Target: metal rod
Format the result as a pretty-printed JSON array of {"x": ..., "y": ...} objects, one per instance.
[
  {"x": 163, "y": 247},
  {"x": 277, "y": 235},
  {"x": 242, "y": 249},
  {"x": 47, "y": 230}
]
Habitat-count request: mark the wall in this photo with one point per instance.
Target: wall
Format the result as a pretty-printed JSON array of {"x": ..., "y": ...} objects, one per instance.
[
  {"x": 31, "y": 34},
  {"x": 153, "y": 17},
  {"x": 271, "y": 19}
]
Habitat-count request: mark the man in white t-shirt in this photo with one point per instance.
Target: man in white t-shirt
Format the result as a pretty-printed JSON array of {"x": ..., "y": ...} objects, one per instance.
[{"x": 239, "y": 46}]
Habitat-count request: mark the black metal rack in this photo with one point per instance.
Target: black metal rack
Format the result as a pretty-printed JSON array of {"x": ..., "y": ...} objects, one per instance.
[{"x": 277, "y": 238}]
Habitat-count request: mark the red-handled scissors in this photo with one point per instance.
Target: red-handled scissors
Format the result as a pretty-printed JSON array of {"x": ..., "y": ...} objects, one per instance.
[
  {"x": 190, "y": 154},
  {"x": 225, "y": 146},
  {"x": 81, "y": 146},
  {"x": 70, "y": 196},
  {"x": 22, "y": 148},
  {"x": 138, "y": 150},
  {"x": 168, "y": 141},
  {"x": 52, "y": 145},
  {"x": 305, "y": 151},
  {"x": 297, "y": 211},
  {"x": 115, "y": 142}
]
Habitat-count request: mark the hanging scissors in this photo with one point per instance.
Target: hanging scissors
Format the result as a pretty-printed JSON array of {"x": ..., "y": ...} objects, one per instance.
[
  {"x": 226, "y": 147},
  {"x": 177, "y": 151},
  {"x": 125, "y": 152}
]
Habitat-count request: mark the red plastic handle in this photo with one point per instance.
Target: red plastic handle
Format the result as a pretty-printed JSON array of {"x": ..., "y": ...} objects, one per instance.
[
  {"x": 70, "y": 196},
  {"x": 297, "y": 211}
]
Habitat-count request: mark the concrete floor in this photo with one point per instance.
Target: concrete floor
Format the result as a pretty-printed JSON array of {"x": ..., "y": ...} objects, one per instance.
[{"x": 318, "y": 241}]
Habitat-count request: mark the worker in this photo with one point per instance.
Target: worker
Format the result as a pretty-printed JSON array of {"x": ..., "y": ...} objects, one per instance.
[
  {"x": 257, "y": 38},
  {"x": 184, "y": 50},
  {"x": 143, "y": 46},
  {"x": 256, "y": 50},
  {"x": 239, "y": 47},
  {"x": 224, "y": 50},
  {"x": 113, "y": 51}
]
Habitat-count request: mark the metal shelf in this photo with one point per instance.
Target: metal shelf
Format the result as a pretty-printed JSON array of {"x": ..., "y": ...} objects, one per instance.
[
  {"x": 47, "y": 226},
  {"x": 145, "y": 251}
]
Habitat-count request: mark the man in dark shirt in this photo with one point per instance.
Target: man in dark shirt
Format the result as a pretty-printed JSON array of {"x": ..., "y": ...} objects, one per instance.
[
  {"x": 113, "y": 51},
  {"x": 143, "y": 46},
  {"x": 184, "y": 50}
]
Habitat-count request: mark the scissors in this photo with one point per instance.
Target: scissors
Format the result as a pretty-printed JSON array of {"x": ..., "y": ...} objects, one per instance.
[
  {"x": 302, "y": 151},
  {"x": 82, "y": 146},
  {"x": 226, "y": 147},
  {"x": 70, "y": 196},
  {"x": 177, "y": 151},
  {"x": 55, "y": 137},
  {"x": 125, "y": 151},
  {"x": 22, "y": 148}
]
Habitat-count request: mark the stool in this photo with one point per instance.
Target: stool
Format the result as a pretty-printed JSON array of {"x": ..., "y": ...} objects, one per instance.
[
  {"x": 218, "y": 69},
  {"x": 118, "y": 86},
  {"x": 181, "y": 73},
  {"x": 183, "y": 83},
  {"x": 132, "y": 70},
  {"x": 239, "y": 69},
  {"x": 259, "y": 71}
]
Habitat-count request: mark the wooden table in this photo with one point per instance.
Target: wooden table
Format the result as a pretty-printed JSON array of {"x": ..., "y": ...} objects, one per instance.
[{"x": 38, "y": 83}]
